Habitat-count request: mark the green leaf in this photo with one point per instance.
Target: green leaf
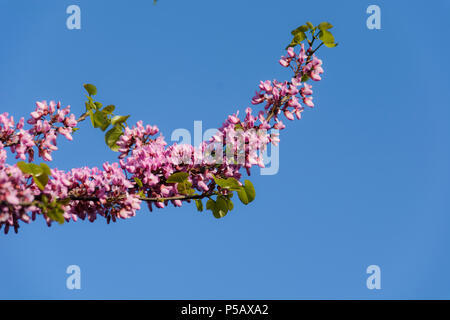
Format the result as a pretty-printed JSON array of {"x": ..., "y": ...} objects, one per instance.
[
  {"x": 98, "y": 105},
  {"x": 24, "y": 167},
  {"x": 185, "y": 187},
  {"x": 250, "y": 190},
  {"x": 310, "y": 25},
  {"x": 40, "y": 173},
  {"x": 229, "y": 183},
  {"x": 324, "y": 26},
  {"x": 326, "y": 37},
  {"x": 91, "y": 115},
  {"x": 109, "y": 109},
  {"x": 44, "y": 200},
  {"x": 64, "y": 202},
  {"x": 90, "y": 88},
  {"x": 138, "y": 182},
  {"x": 221, "y": 208},
  {"x": 292, "y": 44},
  {"x": 210, "y": 204},
  {"x": 330, "y": 45},
  {"x": 247, "y": 194},
  {"x": 53, "y": 209},
  {"x": 299, "y": 29},
  {"x": 35, "y": 169},
  {"x": 199, "y": 205},
  {"x": 230, "y": 205},
  {"x": 56, "y": 213},
  {"x": 298, "y": 38},
  {"x": 178, "y": 177},
  {"x": 46, "y": 169},
  {"x": 40, "y": 180},
  {"x": 243, "y": 196},
  {"x": 100, "y": 120},
  {"x": 112, "y": 136},
  {"x": 90, "y": 104},
  {"x": 119, "y": 119},
  {"x": 141, "y": 194}
]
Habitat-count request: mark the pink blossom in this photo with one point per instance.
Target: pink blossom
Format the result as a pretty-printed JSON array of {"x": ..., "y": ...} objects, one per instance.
[{"x": 288, "y": 115}]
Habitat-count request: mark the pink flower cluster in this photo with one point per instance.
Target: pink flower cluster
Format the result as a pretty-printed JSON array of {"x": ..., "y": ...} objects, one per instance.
[
  {"x": 13, "y": 193},
  {"x": 110, "y": 188},
  {"x": 48, "y": 121},
  {"x": 285, "y": 93},
  {"x": 114, "y": 191}
]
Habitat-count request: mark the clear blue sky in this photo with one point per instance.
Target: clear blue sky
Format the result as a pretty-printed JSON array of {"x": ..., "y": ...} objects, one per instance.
[{"x": 364, "y": 177}]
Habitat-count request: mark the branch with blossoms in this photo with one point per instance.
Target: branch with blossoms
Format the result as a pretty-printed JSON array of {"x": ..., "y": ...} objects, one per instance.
[{"x": 148, "y": 169}]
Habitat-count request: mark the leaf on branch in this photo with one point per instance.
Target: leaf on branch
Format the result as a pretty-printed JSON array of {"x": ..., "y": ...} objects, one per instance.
[
  {"x": 178, "y": 177},
  {"x": 301, "y": 29},
  {"x": 90, "y": 88},
  {"x": 185, "y": 187},
  {"x": 330, "y": 45},
  {"x": 326, "y": 37},
  {"x": 40, "y": 180},
  {"x": 91, "y": 116},
  {"x": 53, "y": 209},
  {"x": 138, "y": 182},
  {"x": 199, "y": 205},
  {"x": 210, "y": 204},
  {"x": 247, "y": 194},
  {"x": 230, "y": 203},
  {"x": 101, "y": 120},
  {"x": 310, "y": 25},
  {"x": 221, "y": 208},
  {"x": 39, "y": 173},
  {"x": 23, "y": 166},
  {"x": 112, "y": 136},
  {"x": 298, "y": 38},
  {"x": 324, "y": 26},
  {"x": 46, "y": 169},
  {"x": 229, "y": 183},
  {"x": 109, "y": 109},
  {"x": 119, "y": 119}
]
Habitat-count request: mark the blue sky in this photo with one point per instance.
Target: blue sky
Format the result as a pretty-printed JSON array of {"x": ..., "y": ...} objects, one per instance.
[{"x": 363, "y": 179}]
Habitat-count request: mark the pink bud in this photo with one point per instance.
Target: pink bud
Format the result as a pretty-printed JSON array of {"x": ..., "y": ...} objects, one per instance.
[
  {"x": 279, "y": 125},
  {"x": 177, "y": 203},
  {"x": 291, "y": 52},
  {"x": 306, "y": 90},
  {"x": 315, "y": 76},
  {"x": 288, "y": 114},
  {"x": 46, "y": 156},
  {"x": 202, "y": 185},
  {"x": 284, "y": 62},
  {"x": 298, "y": 113},
  {"x": 35, "y": 115},
  {"x": 308, "y": 102}
]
